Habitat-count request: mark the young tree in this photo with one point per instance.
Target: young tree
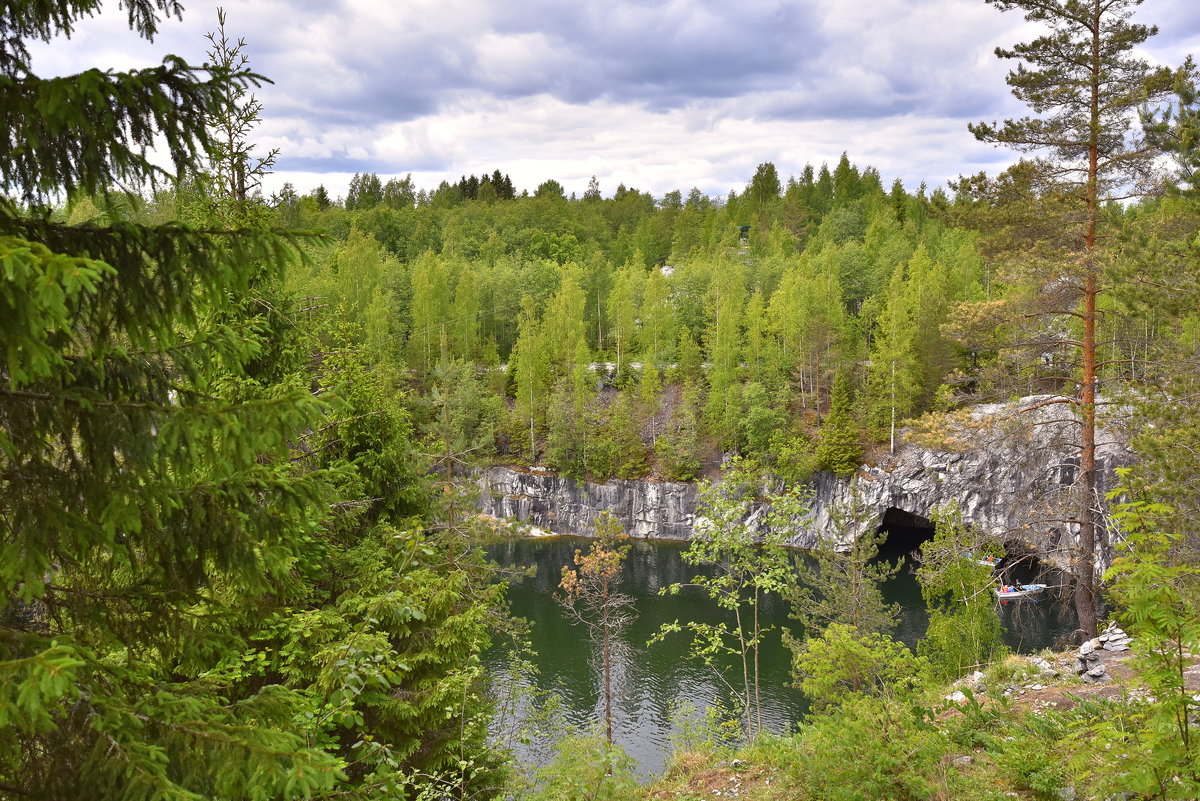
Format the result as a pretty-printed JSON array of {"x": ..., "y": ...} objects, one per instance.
[
  {"x": 839, "y": 450},
  {"x": 807, "y": 316},
  {"x": 727, "y": 295},
  {"x": 658, "y": 325},
  {"x": 746, "y": 566},
  {"x": 563, "y": 321},
  {"x": 530, "y": 363},
  {"x": 430, "y": 311},
  {"x": 617, "y": 448},
  {"x": 1158, "y": 739},
  {"x": 964, "y": 629},
  {"x": 623, "y": 303},
  {"x": 844, "y": 587},
  {"x": 465, "y": 314},
  {"x": 679, "y": 448},
  {"x": 1084, "y": 84},
  {"x": 893, "y": 380},
  {"x": 843, "y": 663},
  {"x": 235, "y": 174},
  {"x": 591, "y": 597}
]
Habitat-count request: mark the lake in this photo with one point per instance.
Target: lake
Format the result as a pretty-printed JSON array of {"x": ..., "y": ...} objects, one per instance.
[{"x": 656, "y": 684}]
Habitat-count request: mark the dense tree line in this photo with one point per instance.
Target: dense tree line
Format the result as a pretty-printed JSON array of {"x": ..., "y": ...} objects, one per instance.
[
  {"x": 233, "y": 558},
  {"x": 625, "y": 335}
]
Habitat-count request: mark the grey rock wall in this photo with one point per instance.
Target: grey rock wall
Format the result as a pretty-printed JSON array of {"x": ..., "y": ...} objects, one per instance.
[{"x": 1010, "y": 467}]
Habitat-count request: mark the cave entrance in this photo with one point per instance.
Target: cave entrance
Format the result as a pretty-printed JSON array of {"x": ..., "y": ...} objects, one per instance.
[{"x": 904, "y": 532}]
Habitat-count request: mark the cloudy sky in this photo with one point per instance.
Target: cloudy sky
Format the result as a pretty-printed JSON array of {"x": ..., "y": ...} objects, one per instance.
[{"x": 655, "y": 94}]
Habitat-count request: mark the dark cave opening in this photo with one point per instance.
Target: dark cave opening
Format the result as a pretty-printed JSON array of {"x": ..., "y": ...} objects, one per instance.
[{"x": 904, "y": 532}]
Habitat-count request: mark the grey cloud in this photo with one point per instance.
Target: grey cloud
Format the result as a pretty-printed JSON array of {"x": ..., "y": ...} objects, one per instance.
[
  {"x": 663, "y": 57},
  {"x": 345, "y": 163}
]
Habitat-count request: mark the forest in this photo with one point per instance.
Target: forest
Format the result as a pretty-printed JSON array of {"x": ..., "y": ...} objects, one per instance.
[{"x": 237, "y": 553}]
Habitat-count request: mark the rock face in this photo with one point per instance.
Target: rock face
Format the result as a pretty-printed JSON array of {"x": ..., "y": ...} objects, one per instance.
[
  {"x": 1011, "y": 468},
  {"x": 647, "y": 509}
]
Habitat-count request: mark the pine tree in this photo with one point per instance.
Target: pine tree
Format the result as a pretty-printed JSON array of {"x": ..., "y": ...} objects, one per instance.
[
  {"x": 591, "y": 597},
  {"x": 844, "y": 586},
  {"x": 1086, "y": 87}
]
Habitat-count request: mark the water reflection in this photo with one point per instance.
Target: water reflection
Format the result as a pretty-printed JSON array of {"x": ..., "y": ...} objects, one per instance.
[{"x": 653, "y": 681}]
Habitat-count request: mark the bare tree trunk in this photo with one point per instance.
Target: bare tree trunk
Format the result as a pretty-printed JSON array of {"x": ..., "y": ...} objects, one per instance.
[
  {"x": 757, "y": 678},
  {"x": 608, "y": 684},
  {"x": 747, "y": 700},
  {"x": 1085, "y": 564}
]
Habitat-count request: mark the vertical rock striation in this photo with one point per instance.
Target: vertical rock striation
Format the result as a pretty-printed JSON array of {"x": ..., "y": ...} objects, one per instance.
[{"x": 1010, "y": 467}]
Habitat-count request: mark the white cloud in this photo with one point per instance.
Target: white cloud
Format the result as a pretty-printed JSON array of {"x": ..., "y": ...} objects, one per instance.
[{"x": 661, "y": 96}]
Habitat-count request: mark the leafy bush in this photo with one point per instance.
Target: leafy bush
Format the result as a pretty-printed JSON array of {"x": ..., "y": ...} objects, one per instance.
[
  {"x": 587, "y": 768},
  {"x": 872, "y": 747},
  {"x": 842, "y": 664}
]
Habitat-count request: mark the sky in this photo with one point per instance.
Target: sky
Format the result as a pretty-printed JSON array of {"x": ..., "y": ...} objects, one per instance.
[{"x": 657, "y": 96}]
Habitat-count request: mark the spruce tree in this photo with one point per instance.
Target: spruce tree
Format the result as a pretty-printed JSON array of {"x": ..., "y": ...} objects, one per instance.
[
  {"x": 839, "y": 450},
  {"x": 138, "y": 509}
]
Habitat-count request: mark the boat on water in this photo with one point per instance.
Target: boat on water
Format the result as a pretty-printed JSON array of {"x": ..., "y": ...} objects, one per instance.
[
  {"x": 1010, "y": 591},
  {"x": 989, "y": 561}
]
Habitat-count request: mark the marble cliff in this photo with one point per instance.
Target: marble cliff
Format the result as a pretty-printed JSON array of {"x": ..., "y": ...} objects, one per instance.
[{"x": 1010, "y": 467}]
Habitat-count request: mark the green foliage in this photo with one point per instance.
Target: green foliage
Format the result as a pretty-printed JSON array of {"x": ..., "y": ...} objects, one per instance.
[
  {"x": 617, "y": 448},
  {"x": 591, "y": 597},
  {"x": 1157, "y": 736},
  {"x": 964, "y": 630},
  {"x": 204, "y": 592},
  {"x": 530, "y": 363},
  {"x": 678, "y": 449},
  {"x": 844, "y": 662},
  {"x": 760, "y": 422},
  {"x": 874, "y": 747},
  {"x": 839, "y": 450},
  {"x": 1030, "y": 756},
  {"x": 1084, "y": 84},
  {"x": 745, "y": 567},
  {"x": 587, "y": 768},
  {"x": 844, "y": 586},
  {"x": 142, "y": 510},
  {"x": 227, "y": 194}
]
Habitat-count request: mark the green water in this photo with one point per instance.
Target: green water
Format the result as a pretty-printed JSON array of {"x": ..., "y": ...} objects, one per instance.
[{"x": 654, "y": 681}]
